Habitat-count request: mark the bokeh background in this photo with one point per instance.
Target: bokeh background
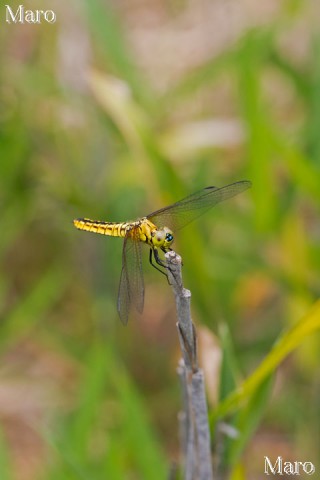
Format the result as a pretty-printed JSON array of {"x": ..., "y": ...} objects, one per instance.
[{"x": 117, "y": 109}]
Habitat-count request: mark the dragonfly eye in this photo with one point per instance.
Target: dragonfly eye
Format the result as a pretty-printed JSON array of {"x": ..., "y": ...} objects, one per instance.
[{"x": 169, "y": 237}]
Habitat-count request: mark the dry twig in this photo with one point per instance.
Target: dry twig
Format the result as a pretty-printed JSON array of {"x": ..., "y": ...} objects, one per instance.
[{"x": 194, "y": 425}]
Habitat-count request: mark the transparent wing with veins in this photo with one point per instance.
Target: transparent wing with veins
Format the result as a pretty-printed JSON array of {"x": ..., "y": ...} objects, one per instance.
[
  {"x": 131, "y": 287},
  {"x": 179, "y": 214}
]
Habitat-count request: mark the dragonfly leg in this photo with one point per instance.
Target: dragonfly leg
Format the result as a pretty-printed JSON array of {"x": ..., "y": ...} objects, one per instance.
[
  {"x": 161, "y": 262},
  {"x": 158, "y": 260},
  {"x": 171, "y": 268},
  {"x": 154, "y": 252}
]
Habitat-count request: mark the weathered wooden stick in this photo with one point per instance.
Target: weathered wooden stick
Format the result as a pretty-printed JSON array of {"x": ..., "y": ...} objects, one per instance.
[{"x": 194, "y": 424}]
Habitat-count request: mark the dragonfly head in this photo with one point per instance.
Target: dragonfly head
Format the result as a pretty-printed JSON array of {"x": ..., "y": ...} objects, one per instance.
[{"x": 162, "y": 238}]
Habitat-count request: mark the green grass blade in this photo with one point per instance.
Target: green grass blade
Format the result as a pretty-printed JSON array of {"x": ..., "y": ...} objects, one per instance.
[
  {"x": 248, "y": 419},
  {"x": 286, "y": 344},
  {"x": 5, "y": 466},
  {"x": 36, "y": 302},
  {"x": 109, "y": 39},
  {"x": 229, "y": 370}
]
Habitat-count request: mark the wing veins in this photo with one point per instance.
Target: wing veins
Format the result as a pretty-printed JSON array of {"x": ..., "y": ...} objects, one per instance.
[
  {"x": 131, "y": 286},
  {"x": 181, "y": 213}
]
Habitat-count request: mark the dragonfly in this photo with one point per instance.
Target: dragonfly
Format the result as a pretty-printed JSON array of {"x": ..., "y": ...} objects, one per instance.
[{"x": 157, "y": 231}]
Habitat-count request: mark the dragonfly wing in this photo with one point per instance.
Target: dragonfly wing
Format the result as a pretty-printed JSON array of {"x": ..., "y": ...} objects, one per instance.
[
  {"x": 179, "y": 214},
  {"x": 131, "y": 287}
]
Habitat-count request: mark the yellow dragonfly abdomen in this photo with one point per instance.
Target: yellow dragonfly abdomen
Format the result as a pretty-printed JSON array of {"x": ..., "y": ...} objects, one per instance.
[
  {"x": 104, "y": 228},
  {"x": 142, "y": 229}
]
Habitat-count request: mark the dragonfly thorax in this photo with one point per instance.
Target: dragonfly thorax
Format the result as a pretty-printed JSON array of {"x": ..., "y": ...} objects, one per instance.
[{"x": 162, "y": 238}]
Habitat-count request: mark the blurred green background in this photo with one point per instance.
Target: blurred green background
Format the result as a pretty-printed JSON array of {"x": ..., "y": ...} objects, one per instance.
[{"x": 117, "y": 109}]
